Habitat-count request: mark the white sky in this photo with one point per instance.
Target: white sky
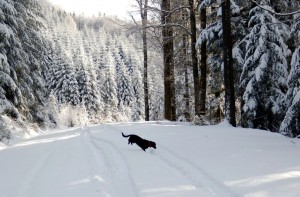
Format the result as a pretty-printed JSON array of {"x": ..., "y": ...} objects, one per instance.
[{"x": 93, "y": 7}]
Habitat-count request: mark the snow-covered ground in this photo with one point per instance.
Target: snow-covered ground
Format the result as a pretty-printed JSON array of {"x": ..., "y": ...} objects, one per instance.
[{"x": 190, "y": 161}]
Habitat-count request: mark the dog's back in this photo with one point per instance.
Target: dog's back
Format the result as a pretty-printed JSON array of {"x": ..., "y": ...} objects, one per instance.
[
  {"x": 144, "y": 144},
  {"x": 132, "y": 138}
]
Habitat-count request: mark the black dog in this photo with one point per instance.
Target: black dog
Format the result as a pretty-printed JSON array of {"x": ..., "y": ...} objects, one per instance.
[{"x": 144, "y": 144}]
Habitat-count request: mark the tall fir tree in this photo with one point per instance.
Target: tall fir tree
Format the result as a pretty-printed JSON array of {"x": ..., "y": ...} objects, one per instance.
[
  {"x": 291, "y": 123},
  {"x": 108, "y": 90},
  {"x": 264, "y": 75},
  {"x": 61, "y": 79}
]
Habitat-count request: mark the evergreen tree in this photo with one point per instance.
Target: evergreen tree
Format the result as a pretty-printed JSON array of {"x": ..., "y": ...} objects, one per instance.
[
  {"x": 156, "y": 92},
  {"x": 138, "y": 103},
  {"x": 34, "y": 62},
  {"x": 9, "y": 92},
  {"x": 89, "y": 93},
  {"x": 264, "y": 73},
  {"x": 62, "y": 81},
  {"x": 24, "y": 52},
  {"x": 291, "y": 124},
  {"x": 10, "y": 59},
  {"x": 53, "y": 111},
  {"x": 124, "y": 86},
  {"x": 109, "y": 92}
]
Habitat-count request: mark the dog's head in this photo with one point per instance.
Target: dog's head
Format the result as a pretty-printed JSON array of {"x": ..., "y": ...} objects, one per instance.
[{"x": 153, "y": 145}]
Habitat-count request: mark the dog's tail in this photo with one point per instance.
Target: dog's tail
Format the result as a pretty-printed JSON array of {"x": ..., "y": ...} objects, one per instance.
[{"x": 125, "y": 135}]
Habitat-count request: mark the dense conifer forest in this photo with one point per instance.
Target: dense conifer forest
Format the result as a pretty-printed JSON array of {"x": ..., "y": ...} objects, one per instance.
[{"x": 60, "y": 69}]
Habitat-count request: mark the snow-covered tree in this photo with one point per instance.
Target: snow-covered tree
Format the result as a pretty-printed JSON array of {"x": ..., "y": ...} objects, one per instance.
[
  {"x": 89, "y": 93},
  {"x": 264, "y": 75},
  {"x": 291, "y": 124},
  {"x": 108, "y": 90},
  {"x": 124, "y": 86},
  {"x": 138, "y": 104},
  {"x": 23, "y": 55},
  {"x": 10, "y": 93},
  {"x": 5, "y": 134},
  {"x": 156, "y": 90},
  {"x": 53, "y": 111},
  {"x": 61, "y": 79}
]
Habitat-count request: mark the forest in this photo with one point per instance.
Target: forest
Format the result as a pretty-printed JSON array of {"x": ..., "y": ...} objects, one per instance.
[{"x": 200, "y": 61}]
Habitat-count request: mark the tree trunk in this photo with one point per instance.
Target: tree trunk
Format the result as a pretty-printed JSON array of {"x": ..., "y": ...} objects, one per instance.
[
  {"x": 186, "y": 82},
  {"x": 167, "y": 34},
  {"x": 228, "y": 64},
  {"x": 143, "y": 10},
  {"x": 203, "y": 65},
  {"x": 186, "y": 95},
  {"x": 194, "y": 57}
]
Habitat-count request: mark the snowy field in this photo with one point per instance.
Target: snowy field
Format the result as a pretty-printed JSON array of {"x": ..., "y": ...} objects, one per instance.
[{"x": 189, "y": 161}]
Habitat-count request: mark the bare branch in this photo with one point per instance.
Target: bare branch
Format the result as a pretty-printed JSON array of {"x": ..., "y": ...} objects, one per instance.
[
  {"x": 135, "y": 22},
  {"x": 170, "y": 25},
  {"x": 278, "y": 14},
  {"x": 168, "y": 11}
]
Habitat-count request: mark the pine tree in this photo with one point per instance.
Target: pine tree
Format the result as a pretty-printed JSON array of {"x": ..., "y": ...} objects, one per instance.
[
  {"x": 265, "y": 72},
  {"x": 108, "y": 90},
  {"x": 138, "y": 103},
  {"x": 11, "y": 95},
  {"x": 156, "y": 92},
  {"x": 8, "y": 86},
  {"x": 88, "y": 91},
  {"x": 53, "y": 111},
  {"x": 291, "y": 124},
  {"x": 34, "y": 63},
  {"x": 15, "y": 85},
  {"x": 124, "y": 85},
  {"x": 62, "y": 80}
]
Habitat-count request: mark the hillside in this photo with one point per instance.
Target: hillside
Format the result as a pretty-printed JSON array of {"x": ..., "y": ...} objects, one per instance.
[{"x": 55, "y": 64}]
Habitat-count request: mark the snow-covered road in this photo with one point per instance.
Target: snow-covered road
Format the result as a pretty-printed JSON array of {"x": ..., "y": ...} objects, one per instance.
[{"x": 189, "y": 161}]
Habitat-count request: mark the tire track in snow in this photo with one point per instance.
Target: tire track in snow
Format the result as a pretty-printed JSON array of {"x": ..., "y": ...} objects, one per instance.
[
  {"x": 29, "y": 178},
  {"x": 96, "y": 164},
  {"x": 27, "y": 183},
  {"x": 118, "y": 168},
  {"x": 205, "y": 183},
  {"x": 201, "y": 179}
]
